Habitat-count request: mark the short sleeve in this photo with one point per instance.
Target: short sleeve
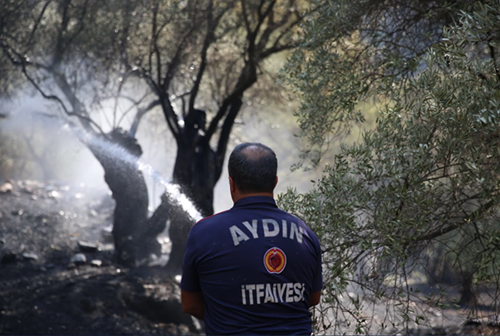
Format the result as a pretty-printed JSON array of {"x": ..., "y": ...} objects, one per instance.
[
  {"x": 190, "y": 280},
  {"x": 317, "y": 284}
]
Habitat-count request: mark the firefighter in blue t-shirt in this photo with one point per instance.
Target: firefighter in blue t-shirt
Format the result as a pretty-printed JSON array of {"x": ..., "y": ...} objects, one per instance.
[{"x": 253, "y": 269}]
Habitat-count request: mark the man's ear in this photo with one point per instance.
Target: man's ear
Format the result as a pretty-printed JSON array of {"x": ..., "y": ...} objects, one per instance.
[{"x": 276, "y": 182}]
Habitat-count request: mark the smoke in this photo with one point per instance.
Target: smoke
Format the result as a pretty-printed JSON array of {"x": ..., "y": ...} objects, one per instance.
[
  {"x": 42, "y": 146},
  {"x": 39, "y": 145}
]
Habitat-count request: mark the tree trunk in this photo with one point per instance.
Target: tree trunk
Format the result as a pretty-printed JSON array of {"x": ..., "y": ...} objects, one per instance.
[
  {"x": 134, "y": 235},
  {"x": 194, "y": 169},
  {"x": 194, "y": 172},
  {"x": 180, "y": 225},
  {"x": 467, "y": 297},
  {"x": 198, "y": 168}
]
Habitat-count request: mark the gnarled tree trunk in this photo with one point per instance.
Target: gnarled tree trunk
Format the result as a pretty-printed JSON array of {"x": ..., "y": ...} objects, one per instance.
[{"x": 133, "y": 232}]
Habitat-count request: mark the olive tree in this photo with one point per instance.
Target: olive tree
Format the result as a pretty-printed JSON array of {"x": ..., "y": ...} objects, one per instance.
[
  {"x": 192, "y": 60},
  {"x": 350, "y": 50},
  {"x": 425, "y": 179},
  {"x": 64, "y": 50}
]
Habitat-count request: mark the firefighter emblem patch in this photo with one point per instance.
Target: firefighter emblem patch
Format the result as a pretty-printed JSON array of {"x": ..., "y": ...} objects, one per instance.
[{"x": 275, "y": 260}]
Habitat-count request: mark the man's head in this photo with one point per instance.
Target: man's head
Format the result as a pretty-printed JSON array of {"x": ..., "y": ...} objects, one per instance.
[{"x": 253, "y": 168}]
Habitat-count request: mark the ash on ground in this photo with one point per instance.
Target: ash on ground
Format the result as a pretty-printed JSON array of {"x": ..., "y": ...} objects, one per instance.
[{"x": 58, "y": 274}]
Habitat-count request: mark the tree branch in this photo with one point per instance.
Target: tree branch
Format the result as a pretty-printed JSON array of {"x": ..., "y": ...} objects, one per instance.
[
  {"x": 35, "y": 27},
  {"x": 493, "y": 57},
  {"x": 247, "y": 77},
  {"x": 224, "y": 136},
  {"x": 154, "y": 44},
  {"x": 443, "y": 230},
  {"x": 245, "y": 18},
  {"x": 140, "y": 113},
  {"x": 211, "y": 25}
]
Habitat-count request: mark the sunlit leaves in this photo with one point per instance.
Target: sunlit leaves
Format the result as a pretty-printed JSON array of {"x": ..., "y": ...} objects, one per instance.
[
  {"x": 423, "y": 185},
  {"x": 354, "y": 51}
]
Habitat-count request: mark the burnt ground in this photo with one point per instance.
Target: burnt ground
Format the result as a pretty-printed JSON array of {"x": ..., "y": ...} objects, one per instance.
[{"x": 58, "y": 274}]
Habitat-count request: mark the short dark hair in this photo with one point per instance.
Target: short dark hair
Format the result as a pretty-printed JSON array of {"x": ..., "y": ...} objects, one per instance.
[{"x": 253, "y": 172}]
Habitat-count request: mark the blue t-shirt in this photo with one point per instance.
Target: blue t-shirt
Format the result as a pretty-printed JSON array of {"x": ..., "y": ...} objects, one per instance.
[{"x": 256, "y": 266}]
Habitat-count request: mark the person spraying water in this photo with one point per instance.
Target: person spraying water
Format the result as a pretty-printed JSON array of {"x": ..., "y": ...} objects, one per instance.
[{"x": 253, "y": 269}]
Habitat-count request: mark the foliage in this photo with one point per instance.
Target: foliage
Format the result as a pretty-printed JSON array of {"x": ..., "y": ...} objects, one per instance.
[
  {"x": 426, "y": 179},
  {"x": 350, "y": 52}
]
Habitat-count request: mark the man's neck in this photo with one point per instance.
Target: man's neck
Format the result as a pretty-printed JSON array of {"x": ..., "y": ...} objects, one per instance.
[{"x": 239, "y": 196}]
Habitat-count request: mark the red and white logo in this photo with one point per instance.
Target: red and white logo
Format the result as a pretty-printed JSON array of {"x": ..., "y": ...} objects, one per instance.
[{"x": 275, "y": 260}]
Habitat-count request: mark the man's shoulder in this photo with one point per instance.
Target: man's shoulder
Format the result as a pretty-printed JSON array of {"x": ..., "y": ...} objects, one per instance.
[
  {"x": 214, "y": 216},
  {"x": 293, "y": 218},
  {"x": 213, "y": 219}
]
